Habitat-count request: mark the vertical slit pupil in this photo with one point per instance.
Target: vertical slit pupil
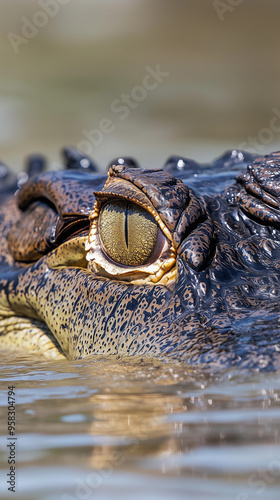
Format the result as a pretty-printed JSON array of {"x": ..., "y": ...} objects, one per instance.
[{"x": 126, "y": 225}]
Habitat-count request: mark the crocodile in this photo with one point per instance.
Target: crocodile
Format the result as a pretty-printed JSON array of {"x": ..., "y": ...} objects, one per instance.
[{"x": 180, "y": 263}]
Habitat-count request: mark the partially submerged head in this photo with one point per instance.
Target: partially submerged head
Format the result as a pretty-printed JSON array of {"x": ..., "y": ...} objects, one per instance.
[{"x": 131, "y": 263}]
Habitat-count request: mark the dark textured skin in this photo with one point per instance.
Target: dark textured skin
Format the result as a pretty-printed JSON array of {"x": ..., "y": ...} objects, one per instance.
[{"x": 222, "y": 309}]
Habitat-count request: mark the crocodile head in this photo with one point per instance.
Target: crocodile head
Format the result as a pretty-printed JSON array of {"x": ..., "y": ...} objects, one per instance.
[{"x": 140, "y": 263}]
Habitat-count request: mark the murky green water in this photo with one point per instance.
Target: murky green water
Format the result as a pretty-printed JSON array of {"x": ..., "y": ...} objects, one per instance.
[
  {"x": 135, "y": 430},
  {"x": 221, "y": 83}
]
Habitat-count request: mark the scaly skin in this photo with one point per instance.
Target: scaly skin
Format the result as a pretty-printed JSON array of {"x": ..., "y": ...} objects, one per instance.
[{"x": 217, "y": 306}]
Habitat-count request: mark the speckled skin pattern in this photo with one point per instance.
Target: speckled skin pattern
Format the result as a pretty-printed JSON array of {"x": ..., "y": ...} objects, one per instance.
[{"x": 224, "y": 221}]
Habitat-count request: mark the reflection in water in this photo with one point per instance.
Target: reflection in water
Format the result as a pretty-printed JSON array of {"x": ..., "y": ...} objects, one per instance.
[{"x": 132, "y": 429}]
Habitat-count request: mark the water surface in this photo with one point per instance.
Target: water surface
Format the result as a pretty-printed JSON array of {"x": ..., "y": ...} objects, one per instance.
[{"x": 134, "y": 429}]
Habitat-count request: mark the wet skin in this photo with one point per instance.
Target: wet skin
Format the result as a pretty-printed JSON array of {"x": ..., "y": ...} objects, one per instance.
[{"x": 206, "y": 293}]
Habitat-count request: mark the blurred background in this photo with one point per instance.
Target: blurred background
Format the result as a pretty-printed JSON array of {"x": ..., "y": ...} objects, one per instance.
[{"x": 74, "y": 72}]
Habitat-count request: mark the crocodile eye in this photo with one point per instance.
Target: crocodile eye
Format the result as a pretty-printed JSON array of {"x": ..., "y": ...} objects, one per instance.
[{"x": 128, "y": 233}]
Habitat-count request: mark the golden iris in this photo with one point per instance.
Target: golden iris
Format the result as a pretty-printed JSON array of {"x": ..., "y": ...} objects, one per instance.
[{"x": 128, "y": 232}]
